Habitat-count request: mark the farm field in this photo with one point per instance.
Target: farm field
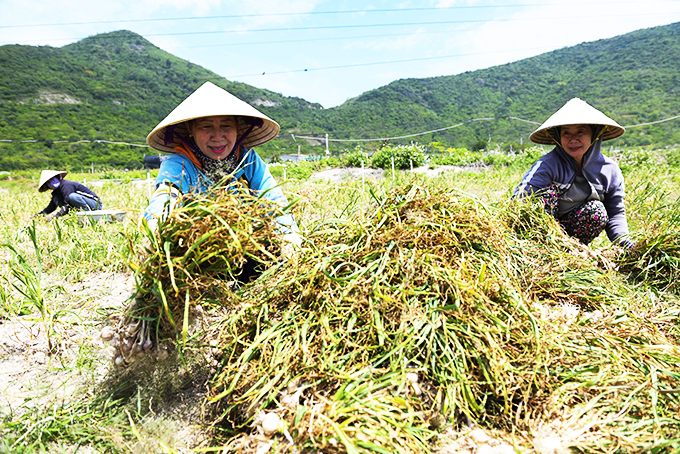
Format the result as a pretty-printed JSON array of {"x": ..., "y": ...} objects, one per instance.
[{"x": 426, "y": 313}]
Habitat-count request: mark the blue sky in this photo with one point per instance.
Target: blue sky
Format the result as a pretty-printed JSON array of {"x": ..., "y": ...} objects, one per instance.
[{"x": 330, "y": 51}]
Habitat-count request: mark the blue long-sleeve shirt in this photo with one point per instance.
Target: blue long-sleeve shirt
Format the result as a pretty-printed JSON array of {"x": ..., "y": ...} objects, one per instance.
[{"x": 178, "y": 173}]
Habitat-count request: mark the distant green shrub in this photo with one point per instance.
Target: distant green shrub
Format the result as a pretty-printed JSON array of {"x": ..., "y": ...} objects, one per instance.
[
  {"x": 405, "y": 156},
  {"x": 333, "y": 161},
  {"x": 479, "y": 145},
  {"x": 462, "y": 156},
  {"x": 355, "y": 158},
  {"x": 525, "y": 158},
  {"x": 513, "y": 147},
  {"x": 276, "y": 171},
  {"x": 299, "y": 170},
  {"x": 498, "y": 159},
  {"x": 456, "y": 157},
  {"x": 112, "y": 175},
  {"x": 637, "y": 158},
  {"x": 672, "y": 157}
]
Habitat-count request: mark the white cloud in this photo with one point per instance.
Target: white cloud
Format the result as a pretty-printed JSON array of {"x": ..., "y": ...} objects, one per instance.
[
  {"x": 477, "y": 37},
  {"x": 543, "y": 28},
  {"x": 412, "y": 41},
  {"x": 191, "y": 7},
  {"x": 52, "y": 23}
]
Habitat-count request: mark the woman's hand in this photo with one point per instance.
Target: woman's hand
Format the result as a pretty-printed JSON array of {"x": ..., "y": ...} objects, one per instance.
[
  {"x": 291, "y": 245},
  {"x": 625, "y": 242},
  {"x": 149, "y": 230}
]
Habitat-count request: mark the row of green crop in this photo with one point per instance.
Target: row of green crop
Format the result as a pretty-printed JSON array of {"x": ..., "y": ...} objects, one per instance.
[{"x": 405, "y": 157}]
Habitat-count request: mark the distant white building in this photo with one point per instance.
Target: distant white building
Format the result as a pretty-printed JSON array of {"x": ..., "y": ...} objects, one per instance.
[{"x": 293, "y": 157}]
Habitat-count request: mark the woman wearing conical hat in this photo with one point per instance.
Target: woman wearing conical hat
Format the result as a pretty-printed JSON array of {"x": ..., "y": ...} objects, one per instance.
[
  {"x": 66, "y": 194},
  {"x": 211, "y": 135},
  {"x": 581, "y": 188}
]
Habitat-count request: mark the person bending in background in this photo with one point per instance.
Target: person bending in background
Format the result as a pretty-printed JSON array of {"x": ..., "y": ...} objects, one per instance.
[
  {"x": 581, "y": 188},
  {"x": 66, "y": 194},
  {"x": 211, "y": 135}
]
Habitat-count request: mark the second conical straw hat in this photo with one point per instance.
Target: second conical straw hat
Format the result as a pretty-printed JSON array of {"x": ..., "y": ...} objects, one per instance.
[
  {"x": 47, "y": 175},
  {"x": 576, "y": 112}
]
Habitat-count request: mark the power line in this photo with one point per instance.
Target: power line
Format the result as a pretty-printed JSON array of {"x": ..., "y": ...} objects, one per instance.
[
  {"x": 383, "y": 62},
  {"x": 397, "y": 137},
  {"x": 341, "y": 140},
  {"x": 352, "y": 26},
  {"x": 455, "y": 126},
  {"x": 336, "y": 38},
  {"x": 415, "y": 134},
  {"x": 244, "y": 16},
  {"x": 398, "y": 24},
  {"x": 338, "y": 27},
  {"x": 316, "y": 13},
  {"x": 653, "y": 122}
]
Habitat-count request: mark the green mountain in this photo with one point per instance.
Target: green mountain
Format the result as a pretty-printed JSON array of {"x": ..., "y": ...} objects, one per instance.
[
  {"x": 117, "y": 86},
  {"x": 110, "y": 87},
  {"x": 634, "y": 78}
]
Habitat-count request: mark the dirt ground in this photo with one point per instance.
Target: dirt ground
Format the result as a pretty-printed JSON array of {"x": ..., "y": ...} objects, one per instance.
[
  {"x": 29, "y": 374},
  {"x": 31, "y": 378}
]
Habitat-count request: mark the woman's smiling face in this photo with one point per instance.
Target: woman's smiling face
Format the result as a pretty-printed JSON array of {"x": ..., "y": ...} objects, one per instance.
[
  {"x": 215, "y": 136},
  {"x": 576, "y": 140}
]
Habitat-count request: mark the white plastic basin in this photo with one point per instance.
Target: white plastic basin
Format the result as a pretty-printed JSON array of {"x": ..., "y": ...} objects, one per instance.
[{"x": 87, "y": 217}]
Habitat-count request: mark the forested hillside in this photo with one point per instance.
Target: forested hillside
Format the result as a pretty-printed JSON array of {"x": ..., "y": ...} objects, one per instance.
[
  {"x": 111, "y": 87},
  {"x": 635, "y": 78},
  {"x": 117, "y": 86}
]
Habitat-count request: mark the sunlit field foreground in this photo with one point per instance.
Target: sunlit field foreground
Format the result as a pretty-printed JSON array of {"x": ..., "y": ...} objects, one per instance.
[{"x": 425, "y": 313}]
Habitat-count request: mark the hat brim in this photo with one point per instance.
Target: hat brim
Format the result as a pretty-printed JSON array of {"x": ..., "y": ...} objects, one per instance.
[
  {"x": 577, "y": 112},
  {"x": 210, "y": 100}
]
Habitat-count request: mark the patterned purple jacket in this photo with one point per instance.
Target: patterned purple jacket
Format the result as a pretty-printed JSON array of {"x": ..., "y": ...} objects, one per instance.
[{"x": 602, "y": 173}]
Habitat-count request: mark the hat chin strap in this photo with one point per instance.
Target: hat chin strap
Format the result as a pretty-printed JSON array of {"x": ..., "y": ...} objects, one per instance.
[
  {"x": 600, "y": 133},
  {"x": 551, "y": 133},
  {"x": 253, "y": 122},
  {"x": 169, "y": 136}
]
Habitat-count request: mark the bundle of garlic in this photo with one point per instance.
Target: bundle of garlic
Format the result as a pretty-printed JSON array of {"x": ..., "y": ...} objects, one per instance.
[
  {"x": 193, "y": 258},
  {"x": 130, "y": 337}
]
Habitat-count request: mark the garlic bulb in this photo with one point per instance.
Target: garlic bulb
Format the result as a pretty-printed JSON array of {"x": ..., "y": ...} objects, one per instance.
[
  {"x": 107, "y": 333},
  {"x": 479, "y": 436},
  {"x": 270, "y": 423}
]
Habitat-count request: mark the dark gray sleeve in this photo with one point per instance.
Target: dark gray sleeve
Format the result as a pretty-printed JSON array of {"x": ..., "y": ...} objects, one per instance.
[
  {"x": 618, "y": 222},
  {"x": 535, "y": 179}
]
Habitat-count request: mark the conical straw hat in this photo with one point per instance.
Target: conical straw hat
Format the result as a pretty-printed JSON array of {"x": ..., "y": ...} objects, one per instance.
[
  {"x": 577, "y": 112},
  {"x": 47, "y": 175},
  {"x": 210, "y": 100}
]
